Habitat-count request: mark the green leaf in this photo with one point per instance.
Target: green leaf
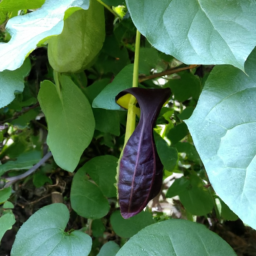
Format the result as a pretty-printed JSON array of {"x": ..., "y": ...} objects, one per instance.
[
  {"x": 102, "y": 170},
  {"x": 24, "y": 161},
  {"x": 68, "y": 55},
  {"x": 128, "y": 227},
  {"x": 176, "y": 238},
  {"x": 22, "y": 121},
  {"x": 185, "y": 86},
  {"x": 196, "y": 198},
  {"x": 109, "y": 249},
  {"x": 186, "y": 113},
  {"x": 93, "y": 90},
  {"x": 86, "y": 197},
  {"x": 190, "y": 150},
  {"x": 98, "y": 228},
  {"x": 15, "y": 5},
  {"x": 225, "y": 211},
  {"x": 5, "y": 194},
  {"x": 106, "y": 98},
  {"x": 70, "y": 121},
  {"x": 6, "y": 222},
  {"x": 177, "y": 133},
  {"x": 40, "y": 178},
  {"x": 177, "y": 187},
  {"x": 114, "y": 2},
  {"x": 148, "y": 60},
  {"x": 107, "y": 121},
  {"x": 223, "y": 129},
  {"x": 43, "y": 234},
  {"x": 168, "y": 155},
  {"x": 196, "y": 31},
  {"x": 11, "y": 82},
  {"x": 27, "y": 30},
  {"x": 8, "y": 204}
]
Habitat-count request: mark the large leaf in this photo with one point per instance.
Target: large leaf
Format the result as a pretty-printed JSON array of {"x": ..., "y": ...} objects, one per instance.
[
  {"x": 28, "y": 30},
  {"x": 102, "y": 170},
  {"x": 70, "y": 121},
  {"x": 43, "y": 235},
  {"x": 86, "y": 197},
  {"x": 106, "y": 98},
  {"x": 6, "y": 222},
  {"x": 223, "y": 129},
  {"x": 176, "y": 238},
  {"x": 128, "y": 228},
  {"x": 15, "y": 5},
  {"x": 11, "y": 82},
  {"x": 198, "y": 31},
  {"x": 74, "y": 49}
]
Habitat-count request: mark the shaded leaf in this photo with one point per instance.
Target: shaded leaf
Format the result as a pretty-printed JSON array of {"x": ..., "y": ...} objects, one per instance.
[
  {"x": 43, "y": 234},
  {"x": 70, "y": 121},
  {"x": 177, "y": 133},
  {"x": 176, "y": 238},
  {"x": 6, "y": 222},
  {"x": 128, "y": 228},
  {"x": 177, "y": 187},
  {"x": 98, "y": 228},
  {"x": 102, "y": 170},
  {"x": 5, "y": 194}
]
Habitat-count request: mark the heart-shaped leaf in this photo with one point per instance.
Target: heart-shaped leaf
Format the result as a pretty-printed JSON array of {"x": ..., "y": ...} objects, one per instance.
[
  {"x": 198, "y": 31},
  {"x": 28, "y": 30},
  {"x": 70, "y": 121},
  {"x": 225, "y": 138},
  {"x": 86, "y": 197},
  {"x": 176, "y": 238},
  {"x": 43, "y": 235}
]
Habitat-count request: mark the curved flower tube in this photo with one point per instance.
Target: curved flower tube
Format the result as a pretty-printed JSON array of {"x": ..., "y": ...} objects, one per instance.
[{"x": 140, "y": 169}]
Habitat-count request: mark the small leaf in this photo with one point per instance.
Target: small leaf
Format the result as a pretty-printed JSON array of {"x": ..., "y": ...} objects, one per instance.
[
  {"x": 128, "y": 228},
  {"x": 98, "y": 228},
  {"x": 11, "y": 82},
  {"x": 140, "y": 168},
  {"x": 27, "y": 30},
  {"x": 225, "y": 211},
  {"x": 196, "y": 198},
  {"x": 177, "y": 187},
  {"x": 185, "y": 86},
  {"x": 107, "y": 121},
  {"x": 6, "y": 222},
  {"x": 176, "y": 238},
  {"x": 24, "y": 161},
  {"x": 168, "y": 155},
  {"x": 177, "y": 133},
  {"x": 106, "y": 98},
  {"x": 196, "y": 31},
  {"x": 86, "y": 197},
  {"x": 43, "y": 235},
  {"x": 70, "y": 121},
  {"x": 102, "y": 170},
  {"x": 68, "y": 55},
  {"x": 5, "y": 194},
  {"x": 109, "y": 249}
]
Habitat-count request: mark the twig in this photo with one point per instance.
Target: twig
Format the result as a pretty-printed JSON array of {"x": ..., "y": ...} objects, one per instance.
[
  {"x": 166, "y": 72},
  {"x": 18, "y": 114},
  {"x": 12, "y": 180}
]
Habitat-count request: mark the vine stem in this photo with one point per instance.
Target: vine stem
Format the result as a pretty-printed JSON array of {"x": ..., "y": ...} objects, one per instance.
[
  {"x": 107, "y": 7},
  {"x": 131, "y": 116}
]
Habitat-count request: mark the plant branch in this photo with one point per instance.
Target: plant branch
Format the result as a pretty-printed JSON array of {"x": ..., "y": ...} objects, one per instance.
[
  {"x": 18, "y": 114},
  {"x": 107, "y": 7},
  {"x": 166, "y": 72},
  {"x": 131, "y": 116},
  {"x": 12, "y": 180}
]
